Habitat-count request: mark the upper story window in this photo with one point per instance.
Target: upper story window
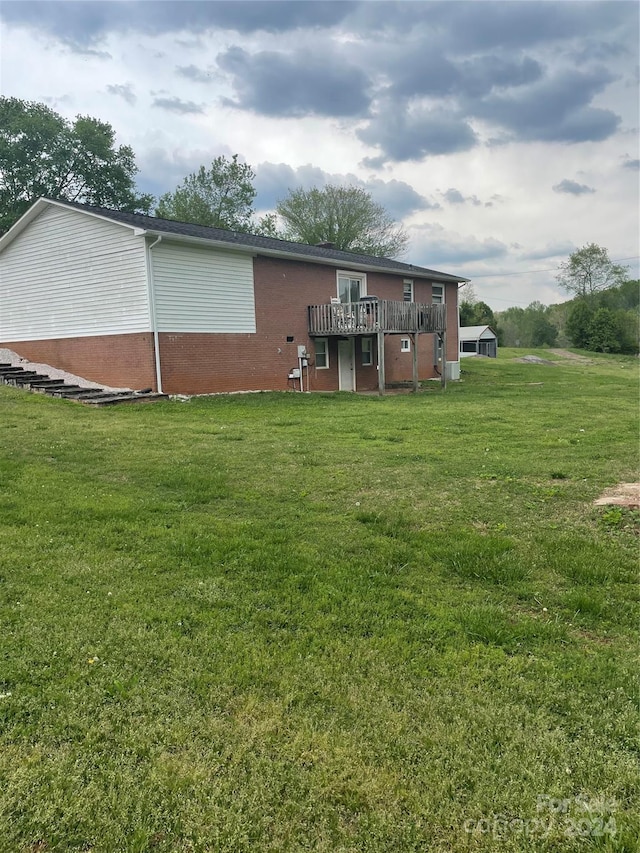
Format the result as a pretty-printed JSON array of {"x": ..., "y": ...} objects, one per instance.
[
  {"x": 437, "y": 293},
  {"x": 351, "y": 286},
  {"x": 407, "y": 290}
]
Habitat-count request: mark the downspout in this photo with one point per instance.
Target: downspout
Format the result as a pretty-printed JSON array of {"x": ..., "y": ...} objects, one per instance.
[{"x": 152, "y": 311}]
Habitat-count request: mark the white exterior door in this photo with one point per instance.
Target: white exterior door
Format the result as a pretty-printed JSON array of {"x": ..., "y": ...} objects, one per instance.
[{"x": 346, "y": 365}]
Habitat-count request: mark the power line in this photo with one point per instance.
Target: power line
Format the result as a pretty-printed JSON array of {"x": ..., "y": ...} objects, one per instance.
[{"x": 548, "y": 269}]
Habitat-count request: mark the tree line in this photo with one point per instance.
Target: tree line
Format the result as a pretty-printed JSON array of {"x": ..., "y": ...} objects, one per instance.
[
  {"x": 602, "y": 316},
  {"x": 43, "y": 154}
]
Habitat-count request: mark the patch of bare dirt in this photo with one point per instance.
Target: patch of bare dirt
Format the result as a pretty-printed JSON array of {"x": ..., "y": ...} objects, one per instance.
[
  {"x": 564, "y": 353},
  {"x": 624, "y": 494},
  {"x": 534, "y": 359}
]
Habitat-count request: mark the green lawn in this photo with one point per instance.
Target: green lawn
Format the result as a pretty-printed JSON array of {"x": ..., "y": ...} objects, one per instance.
[{"x": 285, "y": 622}]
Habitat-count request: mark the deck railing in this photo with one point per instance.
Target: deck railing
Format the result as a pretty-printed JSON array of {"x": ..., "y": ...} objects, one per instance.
[{"x": 361, "y": 318}]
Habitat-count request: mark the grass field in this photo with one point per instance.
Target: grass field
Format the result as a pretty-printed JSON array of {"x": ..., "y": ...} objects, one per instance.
[{"x": 285, "y": 622}]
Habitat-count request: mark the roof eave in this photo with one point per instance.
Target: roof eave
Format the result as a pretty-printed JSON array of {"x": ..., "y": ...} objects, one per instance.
[{"x": 338, "y": 263}]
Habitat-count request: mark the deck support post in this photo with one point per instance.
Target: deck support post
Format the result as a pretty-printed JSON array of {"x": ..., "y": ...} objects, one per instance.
[
  {"x": 415, "y": 362},
  {"x": 443, "y": 375},
  {"x": 380, "y": 362}
]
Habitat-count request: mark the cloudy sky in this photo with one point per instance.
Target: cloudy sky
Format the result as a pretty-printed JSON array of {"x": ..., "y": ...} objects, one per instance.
[{"x": 504, "y": 135}]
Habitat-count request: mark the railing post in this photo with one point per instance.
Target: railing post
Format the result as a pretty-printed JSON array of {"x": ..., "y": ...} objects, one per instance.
[
  {"x": 380, "y": 362},
  {"x": 443, "y": 375}
]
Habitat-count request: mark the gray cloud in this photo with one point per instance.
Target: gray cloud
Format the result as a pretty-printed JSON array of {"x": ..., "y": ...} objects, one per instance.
[
  {"x": 177, "y": 105},
  {"x": 472, "y": 26},
  {"x": 162, "y": 170},
  {"x": 123, "y": 91},
  {"x": 572, "y": 187},
  {"x": 86, "y": 22},
  {"x": 397, "y": 197},
  {"x": 430, "y": 72},
  {"x": 424, "y": 75},
  {"x": 634, "y": 165},
  {"x": 296, "y": 85},
  {"x": 433, "y": 246},
  {"x": 192, "y": 72},
  {"x": 454, "y": 196},
  {"x": 274, "y": 180},
  {"x": 411, "y": 135},
  {"x": 554, "y": 110}
]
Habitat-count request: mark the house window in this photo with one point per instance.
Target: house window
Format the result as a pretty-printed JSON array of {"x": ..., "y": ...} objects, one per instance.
[
  {"x": 405, "y": 345},
  {"x": 351, "y": 286},
  {"x": 437, "y": 293},
  {"x": 367, "y": 352},
  {"x": 407, "y": 290},
  {"x": 322, "y": 353}
]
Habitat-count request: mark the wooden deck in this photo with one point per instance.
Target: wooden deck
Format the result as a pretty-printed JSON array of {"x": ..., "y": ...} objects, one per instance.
[{"x": 370, "y": 317}]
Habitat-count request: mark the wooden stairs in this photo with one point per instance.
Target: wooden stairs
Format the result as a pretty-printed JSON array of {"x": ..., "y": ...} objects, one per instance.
[{"x": 39, "y": 383}]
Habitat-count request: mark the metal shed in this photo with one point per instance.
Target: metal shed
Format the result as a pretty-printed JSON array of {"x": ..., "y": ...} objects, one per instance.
[{"x": 478, "y": 340}]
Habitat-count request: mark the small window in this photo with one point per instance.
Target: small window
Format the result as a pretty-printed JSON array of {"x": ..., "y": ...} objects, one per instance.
[
  {"x": 367, "y": 352},
  {"x": 407, "y": 290},
  {"x": 468, "y": 346},
  {"x": 322, "y": 353},
  {"x": 405, "y": 345},
  {"x": 437, "y": 293}
]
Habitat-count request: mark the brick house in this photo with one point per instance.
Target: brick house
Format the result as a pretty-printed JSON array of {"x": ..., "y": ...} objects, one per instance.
[{"x": 136, "y": 301}]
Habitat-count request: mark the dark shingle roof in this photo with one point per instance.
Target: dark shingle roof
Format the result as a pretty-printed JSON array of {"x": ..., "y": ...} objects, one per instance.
[{"x": 262, "y": 245}]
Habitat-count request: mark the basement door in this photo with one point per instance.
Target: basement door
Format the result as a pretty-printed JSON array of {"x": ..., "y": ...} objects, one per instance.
[{"x": 346, "y": 365}]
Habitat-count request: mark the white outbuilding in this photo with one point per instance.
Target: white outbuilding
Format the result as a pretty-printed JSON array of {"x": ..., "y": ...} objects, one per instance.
[{"x": 478, "y": 340}]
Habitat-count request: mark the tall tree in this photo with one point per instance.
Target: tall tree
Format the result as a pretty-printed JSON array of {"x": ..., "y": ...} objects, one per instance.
[
  {"x": 590, "y": 270},
  {"x": 346, "y": 217},
  {"x": 476, "y": 314},
  {"x": 43, "y": 154},
  {"x": 220, "y": 197}
]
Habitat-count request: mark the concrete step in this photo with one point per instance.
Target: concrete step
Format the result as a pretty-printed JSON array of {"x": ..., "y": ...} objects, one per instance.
[
  {"x": 24, "y": 380},
  {"x": 53, "y": 385},
  {"x": 70, "y": 393},
  {"x": 62, "y": 391},
  {"x": 12, "y": 372},
  {"x": 40, "y": 383},
  {"x": 113, "y": 399},
  {"x": 12, "y": 368},
  {"x": 45, "y": 382}
]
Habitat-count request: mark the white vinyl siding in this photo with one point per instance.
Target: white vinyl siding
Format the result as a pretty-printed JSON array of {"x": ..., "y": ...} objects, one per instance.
[
  {"x": 202, "y": 290},
  {"x": 69, "y": 275}
]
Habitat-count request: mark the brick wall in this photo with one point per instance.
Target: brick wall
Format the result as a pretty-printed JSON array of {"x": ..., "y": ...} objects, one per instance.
[
  {"x": 194, "y": 363},
  {"x": 121, "y": 361},
  {"x": 200, "y": 363}
]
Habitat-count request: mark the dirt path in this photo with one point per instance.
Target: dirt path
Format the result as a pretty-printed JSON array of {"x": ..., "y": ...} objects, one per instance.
[{"x": 564, "y": 353}]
